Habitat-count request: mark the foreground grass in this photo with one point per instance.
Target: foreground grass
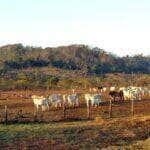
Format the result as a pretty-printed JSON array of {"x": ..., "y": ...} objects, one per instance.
[{"x": 75, "y": 135}]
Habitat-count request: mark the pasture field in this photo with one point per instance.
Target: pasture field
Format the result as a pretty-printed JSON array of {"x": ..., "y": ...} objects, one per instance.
[
  {"x": 115, "y": 133},
  {"x": 50, "y": 130}
]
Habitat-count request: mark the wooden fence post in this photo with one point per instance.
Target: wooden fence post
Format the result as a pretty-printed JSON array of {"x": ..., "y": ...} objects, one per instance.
[
  {"x": 132, "y": 107},
  {"x": 64, "y": 111},
  {"x": 6, "y": 115},
  {"x": 89, "y": 110},
  {"x": 110, "y": 108},
  {"x": 35, "y": 114}
]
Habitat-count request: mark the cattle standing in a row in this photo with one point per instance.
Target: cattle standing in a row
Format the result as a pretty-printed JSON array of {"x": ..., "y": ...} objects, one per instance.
[
  {"x": 55, "y": 100},
  {"x": 132, "y": 93},
  {"x": 72, "y": 100}
]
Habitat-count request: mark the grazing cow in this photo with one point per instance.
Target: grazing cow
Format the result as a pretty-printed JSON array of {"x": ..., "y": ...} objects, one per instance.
[
  {"x": 145, "y": 91},
  {"x": 71, "y": 99},
  {"x": 94, "y": 99},
  {"x": 114, "y": 94},
  {"x": 40, "y": 101},
  {"x": 132, "y": 93},
  {"x": 55, "y": 100},
  {"x": 137, "y": 92}
]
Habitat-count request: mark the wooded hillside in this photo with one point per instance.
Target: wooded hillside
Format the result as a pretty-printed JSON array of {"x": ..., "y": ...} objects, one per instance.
[
  {"x": 68, "y": 66},
  {"x": 73, "y": 57}
]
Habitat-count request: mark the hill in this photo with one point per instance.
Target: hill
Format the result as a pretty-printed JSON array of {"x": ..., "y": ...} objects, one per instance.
[
  {"x": 36, "y": 67},
  {"x": 73, "y": 57}
]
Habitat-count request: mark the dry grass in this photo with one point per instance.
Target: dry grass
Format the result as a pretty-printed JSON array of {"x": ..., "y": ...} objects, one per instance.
[{"x": 75, "y": 135}]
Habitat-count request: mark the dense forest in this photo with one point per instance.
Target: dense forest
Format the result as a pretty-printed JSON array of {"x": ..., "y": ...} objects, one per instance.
[{"x": 26, "y": 66}]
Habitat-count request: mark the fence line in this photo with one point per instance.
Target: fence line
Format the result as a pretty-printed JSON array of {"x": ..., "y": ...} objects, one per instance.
[{"x": 65, "y": 112}]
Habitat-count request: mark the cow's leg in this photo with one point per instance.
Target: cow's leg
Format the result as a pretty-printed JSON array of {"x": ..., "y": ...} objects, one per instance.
[
  {"x": 60, "y": 104},
  {"x": 57, "y": 106},
  {"x": 122, "y": 96},
  {"x": 42, "y": 107},
  {"x": 87, "y": 103},
  {"x": 77, "y": 104},
  {"x": 37, "y": 108},
  {"x": 97, "y": 105},
  {"x": 74, "y": 105},
  {"x": 48, "y": 106},
  {"x": 114, "y": 98}
]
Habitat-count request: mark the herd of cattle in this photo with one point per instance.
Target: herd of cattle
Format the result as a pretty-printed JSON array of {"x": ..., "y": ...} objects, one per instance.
[{"x": 93, "y": 97}]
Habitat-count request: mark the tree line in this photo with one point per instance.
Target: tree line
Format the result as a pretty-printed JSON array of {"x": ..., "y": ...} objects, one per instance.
[
  {"x": 25, "y": 67},
  {"x": 73, "y": 57}
]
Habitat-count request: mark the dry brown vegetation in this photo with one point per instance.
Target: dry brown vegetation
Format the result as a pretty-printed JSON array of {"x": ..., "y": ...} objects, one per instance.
[{"x": 117, "y": 133}]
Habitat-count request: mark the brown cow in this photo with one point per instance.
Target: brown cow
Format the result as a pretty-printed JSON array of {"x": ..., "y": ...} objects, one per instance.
[{"x": 114, "y": 94}]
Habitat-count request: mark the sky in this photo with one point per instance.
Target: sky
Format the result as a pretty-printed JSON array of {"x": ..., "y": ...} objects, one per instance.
[{"x": 118, "y": 26}]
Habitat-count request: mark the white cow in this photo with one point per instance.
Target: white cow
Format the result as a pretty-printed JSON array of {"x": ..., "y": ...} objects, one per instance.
[
  {"x": 95, "y": 89},
  {"x": 112, "y": 88},
  {"x": 40, "y": 101},
  {"x": 104, "y": 89},
  {"x": 55, "y": 100},
  {"x": 132, "y": 93},
  {"x": 121, "y": 88},
  {"x": 71, "y": 99},
  {"x": 94, "y": 99},
  {"x": 144, "y": 91}
]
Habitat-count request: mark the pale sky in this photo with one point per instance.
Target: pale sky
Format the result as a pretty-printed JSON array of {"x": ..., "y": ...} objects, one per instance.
[{"x": 118, "y": 26}]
